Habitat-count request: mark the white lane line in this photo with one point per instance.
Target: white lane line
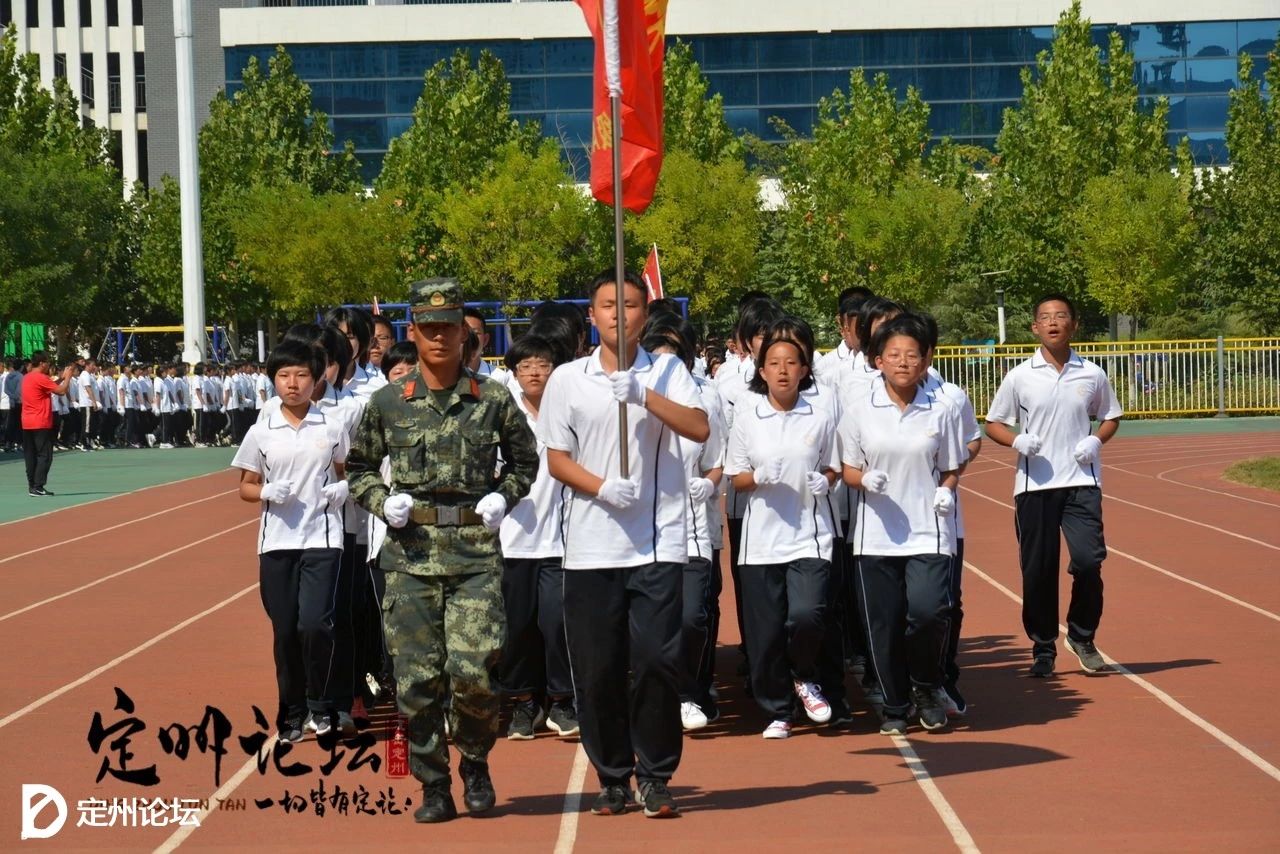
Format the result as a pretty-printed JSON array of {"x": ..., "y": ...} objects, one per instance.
[
  {"x": 224, "y": 791},
  {"x": 959, "y": 833},
  {"x": 110, "y": 497},
  {"x": 142, "y": 647},
  {"x": 1248, "y": 755},
  {"x": 1197, "y": 453},
  {"x": 572, "y": 803},
  {"x": 1196, "y": 584},
  {"x": 116, "y": 527},
  {"x": 147, "y": 562},
  {"x": 1109, "y": 497},
  {"x": 1161, "y": 476}
]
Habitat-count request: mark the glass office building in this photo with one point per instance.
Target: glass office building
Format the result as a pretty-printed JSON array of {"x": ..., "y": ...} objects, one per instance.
[{"x": 967, "y": 75}]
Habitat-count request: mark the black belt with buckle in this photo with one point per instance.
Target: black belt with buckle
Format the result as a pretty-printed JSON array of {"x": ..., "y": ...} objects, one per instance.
[{"x": 444, "y": 515}]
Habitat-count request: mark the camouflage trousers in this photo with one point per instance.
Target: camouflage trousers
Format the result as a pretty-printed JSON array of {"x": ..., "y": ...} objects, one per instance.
[{"x": 445, "y": 633}]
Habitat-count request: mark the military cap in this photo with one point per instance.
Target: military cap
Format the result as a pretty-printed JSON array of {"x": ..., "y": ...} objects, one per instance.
[{"x": 436, "y": 300}]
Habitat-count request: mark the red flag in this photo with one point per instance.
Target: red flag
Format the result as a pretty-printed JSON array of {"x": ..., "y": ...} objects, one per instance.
[
  {"x": 376, "y": 310},
  {"x": 653, "y": 274},
  {"x": 638, "y": 72}
]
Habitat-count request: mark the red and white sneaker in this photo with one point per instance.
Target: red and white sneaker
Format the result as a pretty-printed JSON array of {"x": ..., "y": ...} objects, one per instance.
[
  {"x": 778, "y": 729},
  {"x": 815, "y": 705}
]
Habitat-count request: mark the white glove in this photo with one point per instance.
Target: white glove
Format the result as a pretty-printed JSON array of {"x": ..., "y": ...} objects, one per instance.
[
  {"x": 874, "y": 481},
  {"x": 627, "y": 387},
  {"x": 336, "y": 493},
  {"x": 277, "y": 491},
  {"x": 944, "y": 501},
  {"x": 1027, "y": 444},
  {"x": 1087, "y": 450},
  {"x": 769, "y": 473},
  {"x": 619, "y": 492},
  {"x": 701, "y": 489},
  {"x": 396, "y": 509},
  {"x": 492, "y": 508},
  {"x": 817, "y": 483}
]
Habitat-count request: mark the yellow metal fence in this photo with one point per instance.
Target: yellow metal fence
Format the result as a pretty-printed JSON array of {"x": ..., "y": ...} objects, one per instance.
[{"x": 1153, "y": 379}]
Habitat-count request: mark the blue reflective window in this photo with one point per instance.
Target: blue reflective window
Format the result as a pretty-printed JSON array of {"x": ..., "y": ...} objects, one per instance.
[
  {"x": 1211, "y": 75},
  {"x": 1156, "y": 41},
  {"x": 837, "y": 51},
  {"x": 573, "y": 127},
  {"x": 785, "y": 52},
  {"x": 1167, "y": 77},
  {"x": 402, "y": 95},
  {"x": 988, "y": 118},
  {"x": 358, "y": 61},
  {"x": 322, "y": 97},
  {"x": 1207, "y": 148},
  {"x": 944, "y": 84},
  {"x": 570, "y": 56},
  {"x": 1257, "y": 37},
  {"x": 1207, "y": 111},
  {"x": 397, "y": 125},
  {"x": 1217, "y": 38},
  {"x": 1259, "y": 71},
  {"x": 528, "y": 93},
  {"x": 899, "y": 78},
  {"x": 411, "y": 60},
  {"x": 786, "y": 87},
  {"x": 569, "y": 93},
  {"x": 370, "y": 166},
  {"x": 800, "y": 119},
  {"x": 729, "y": 52},
  {"x": 997, "y": 81},
  {"x": 311, "y": 62},
  {"x": 238, "y": 58},
  {"x": 368, "y": 133},
  {"x": 365, "y": 96},
  {"x": 890, "y": 48},
  {"x": 949, "y": 119},
  {"x": 737, "y": 89},
  {"x": 1002, "y": 45},
  {"x": 232, "y": 89},
  {"x": 744, "y": 120},
  {"x": 944, "y": 47},
  {"x": 1177, "y": 116},
  {"x": 826, "y": 82},
  {"x": 1037, "y": 39}
]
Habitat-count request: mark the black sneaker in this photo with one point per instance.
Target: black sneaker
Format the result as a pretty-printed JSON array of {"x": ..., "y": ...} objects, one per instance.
[
  {"x": 563, "y": 718},
  {"x": 656, "y": 799},
  {"x": 612, "y": 800},
  {"x": 841, "y": 714},
  {"x": 291, "y": 729},
  {"x": 894, "y": 723},
  {"x": 929, "y": 706},
  {"x": 41, "y": 492},
  {"x": 1091, "y": 661},
  {"x": 1042, "y": 666},
  {"x": 437, "y": 805},
  {"x": 953, "y": 702},
  {"x": 526, "y": 717},
  {"x": 477, "y": 786}
]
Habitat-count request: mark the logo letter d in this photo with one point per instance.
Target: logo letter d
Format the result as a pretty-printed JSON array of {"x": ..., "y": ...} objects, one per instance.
[{"x": 35, "y": 797}]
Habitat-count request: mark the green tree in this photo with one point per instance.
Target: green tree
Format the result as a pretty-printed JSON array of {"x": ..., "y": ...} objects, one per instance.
[
  {"x": 1135, "y": 235},
  {"x": 706, "y": 222},
  {"x": 692, "y": 121},
  {"x": 519, "y": 232},
  {"x": 1078, "y": 119}
]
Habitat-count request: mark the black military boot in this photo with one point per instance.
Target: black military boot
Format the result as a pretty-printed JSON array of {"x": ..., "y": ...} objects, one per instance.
[
  {"x": 477, "y": 788},
  {"x": 437, "y": 804}
]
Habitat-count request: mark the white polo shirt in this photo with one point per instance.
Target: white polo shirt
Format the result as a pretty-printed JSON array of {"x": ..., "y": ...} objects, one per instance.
[
  {"x": 124, "y": 388},
  {"x": 4, "y": 397},
  {"x": 703, "y": 517},
  {"x": 854, "y": 383},
  {"x": 305, "y": 456},
  {"x": 784, "y": 521},
  {"x": 261, "y": 389},
  {"x": 1057, "y": 407},
  {"x": 532, "y": 528},
  {"x": 61, "y": 405},
  {"x": 180, "y": 390},
  {"x": 212, "y": 393},
  {"x": 88, "y": 386},
  {"x": 580, "y": 416},
  {"x": 106, "y": 391},
  {"x": 195, "y": 388},
  {"x": 732, "y": 387},
  {"x": 164, "y": 395},
  {"x": 825, "y": 397},
  {"x": 144, "y": 389},
  {"x": 830, "y": 365},
  {"x": 949, "y": 392},
  {"x": 365, "y": 381},
  {"x": 913, "y": 446}
]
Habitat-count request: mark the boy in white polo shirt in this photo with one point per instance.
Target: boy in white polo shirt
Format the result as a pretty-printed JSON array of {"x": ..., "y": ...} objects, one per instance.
[
  {"x": 292, "y": 462},
  {"x": 625, "y": 546},
  {"x": 1054, "y": 396}
]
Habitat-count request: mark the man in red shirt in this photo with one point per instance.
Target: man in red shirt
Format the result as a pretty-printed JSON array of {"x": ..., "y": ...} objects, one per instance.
[{"x": 37, "y": 419}]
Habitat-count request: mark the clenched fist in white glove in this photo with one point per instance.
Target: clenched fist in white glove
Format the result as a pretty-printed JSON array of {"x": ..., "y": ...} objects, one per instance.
[
  {"x": 701, "y": 489},
  {"x": 817, "y": 483},
  {"x": 1027, "y": 444},
  {"x": 1087, "y": 450},
  {"x": 627, "y": 387},
  {"x": 768, "y": 473},
  {"x": 619, "y": 492},
  {"x": 875, "y": 481},
  {"x": 277, "y": 491},
  {"x": 396, "y": 509},
  {"x": 944, "y": 501},
  {"x": 336, "y": 493},
  {"x": 492, "y": 508}
]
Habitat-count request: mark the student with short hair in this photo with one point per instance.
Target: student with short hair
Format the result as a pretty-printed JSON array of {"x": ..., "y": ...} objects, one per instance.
[
  {"x": 292, "y": 463},
  {"x": 625, "y": 546},
  {"x": 1054, "y": 396},
  {"x": 37, "y": 420}
]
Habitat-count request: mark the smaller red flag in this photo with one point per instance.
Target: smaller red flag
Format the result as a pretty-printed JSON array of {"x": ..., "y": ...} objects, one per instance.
[{"x": 653, "y": 274}]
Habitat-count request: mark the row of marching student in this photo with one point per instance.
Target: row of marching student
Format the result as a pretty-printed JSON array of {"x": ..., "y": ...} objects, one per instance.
[{"x": 552, "y": 533}]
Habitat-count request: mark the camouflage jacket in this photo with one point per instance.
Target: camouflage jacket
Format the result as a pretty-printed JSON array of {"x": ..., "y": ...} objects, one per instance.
[{"x": 443, "y": 456}]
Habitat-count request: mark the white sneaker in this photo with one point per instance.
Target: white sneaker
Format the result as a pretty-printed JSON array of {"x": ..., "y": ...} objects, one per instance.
[
  {"x": 778, "y": 729},
  {"x": 815, "y": 705},
  {"x": 691, "y": 716},
  {"x": 151, "y": 440},
  {"x": 318, "y": 722},
  {"x": 166, "y": 445}
]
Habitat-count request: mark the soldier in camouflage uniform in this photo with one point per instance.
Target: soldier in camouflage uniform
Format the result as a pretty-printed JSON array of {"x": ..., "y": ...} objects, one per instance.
[{"x": 442, "y": 428}]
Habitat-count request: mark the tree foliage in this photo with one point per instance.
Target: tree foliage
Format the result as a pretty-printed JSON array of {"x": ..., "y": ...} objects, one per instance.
[{"x": 692, "y": 121}]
